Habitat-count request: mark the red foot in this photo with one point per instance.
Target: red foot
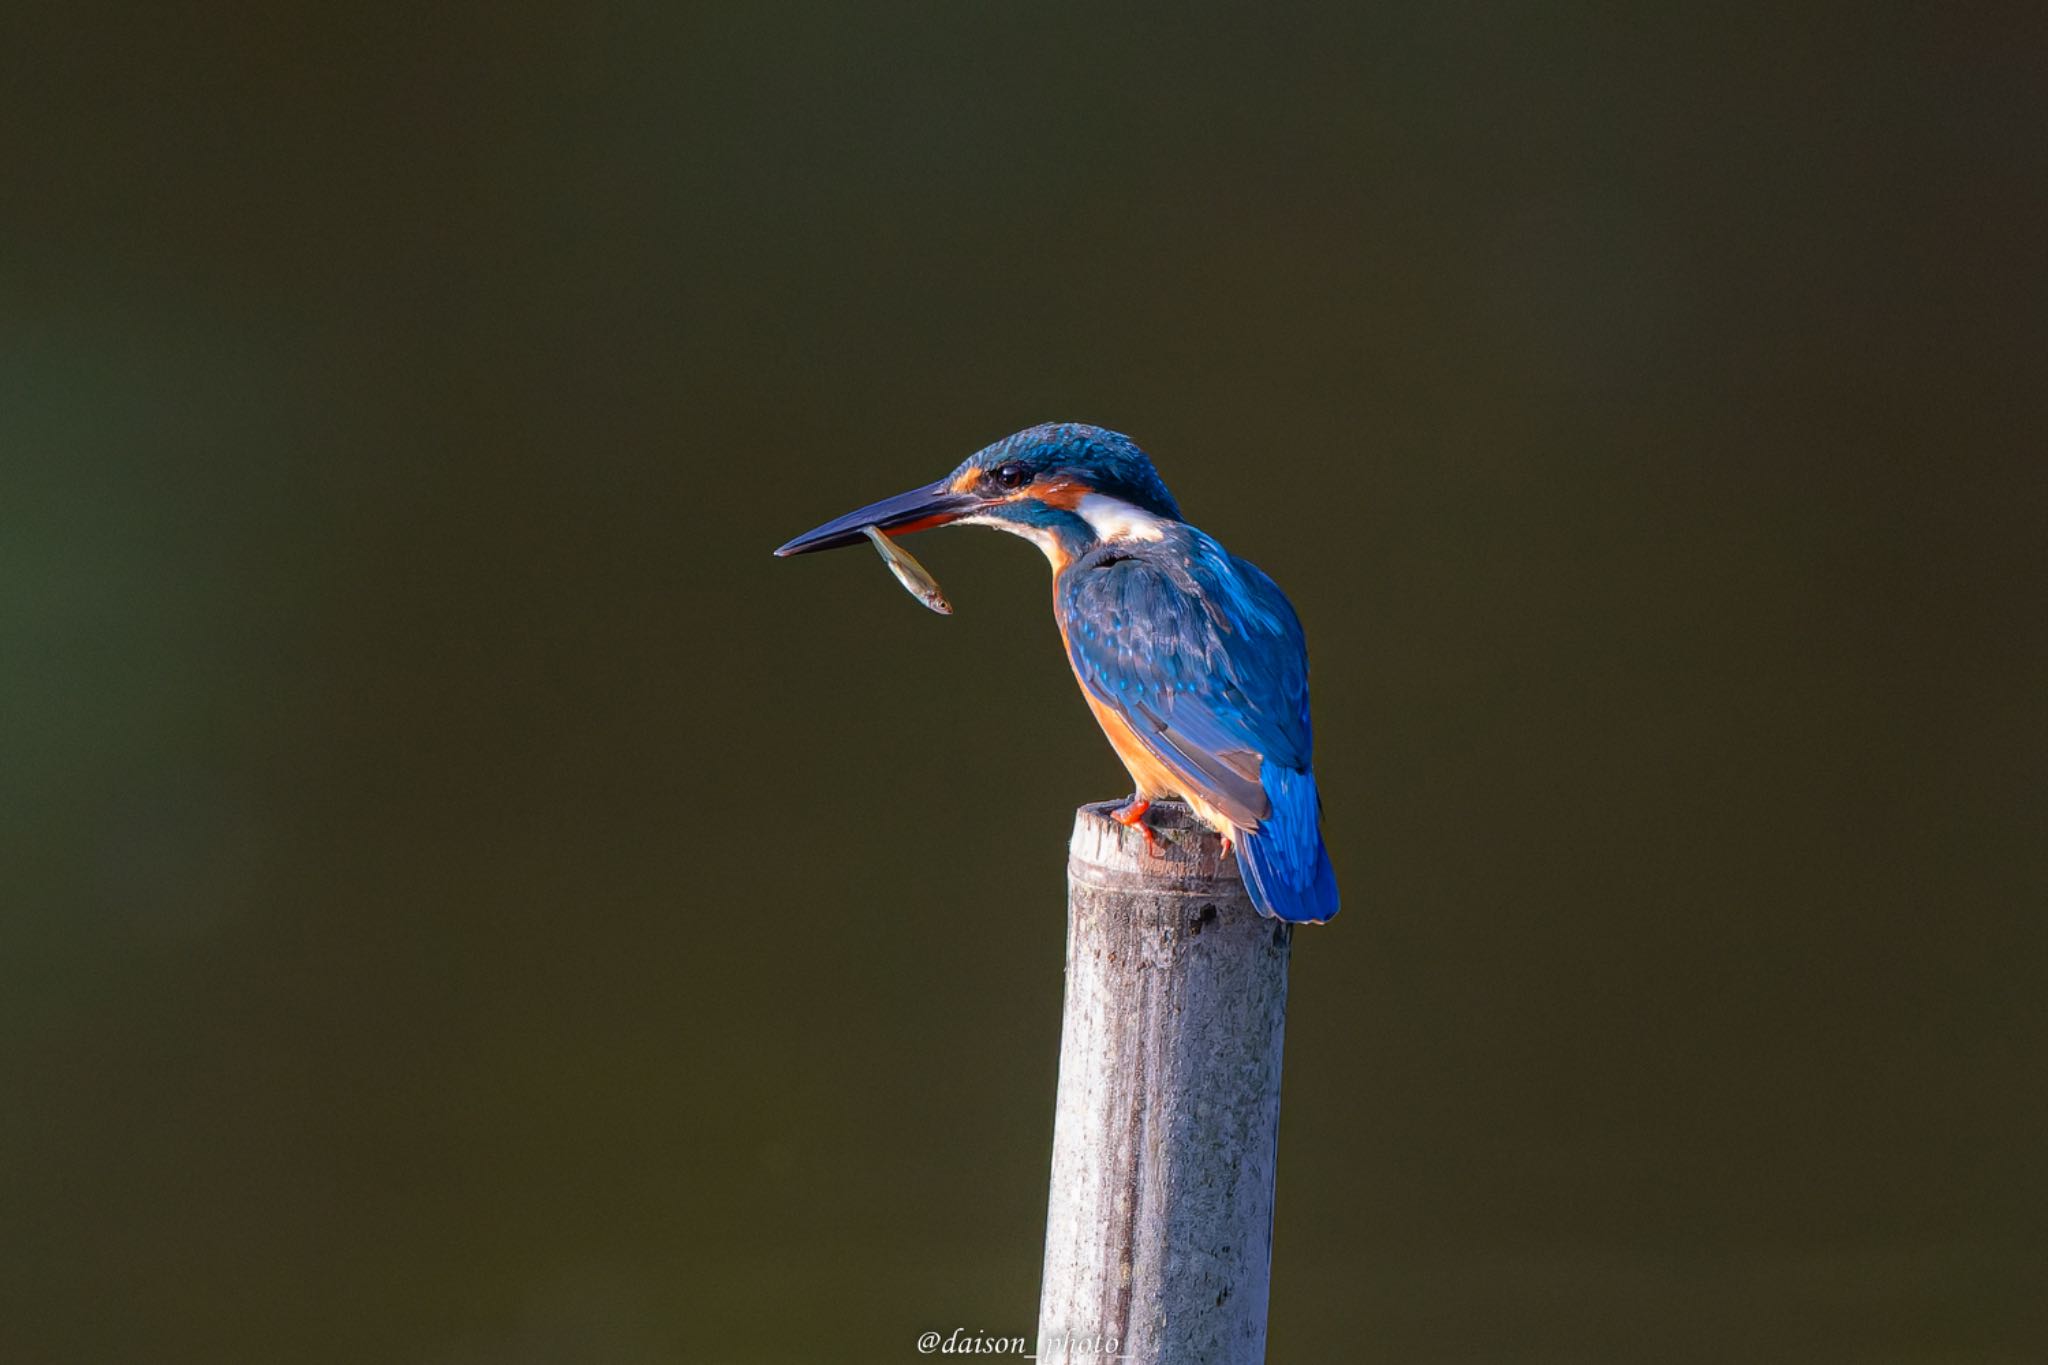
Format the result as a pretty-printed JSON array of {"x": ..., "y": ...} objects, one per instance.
[
  {"x": 1132, "y": 816},
  {"x": 1226, "y": 845}
]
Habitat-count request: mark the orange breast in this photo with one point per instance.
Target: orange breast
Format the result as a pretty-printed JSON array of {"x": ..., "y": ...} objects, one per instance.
[{"x": 1152, "y": 777}]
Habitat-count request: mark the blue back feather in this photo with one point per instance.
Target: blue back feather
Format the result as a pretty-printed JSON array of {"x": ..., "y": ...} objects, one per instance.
[{"x": 1203, "y": 655}]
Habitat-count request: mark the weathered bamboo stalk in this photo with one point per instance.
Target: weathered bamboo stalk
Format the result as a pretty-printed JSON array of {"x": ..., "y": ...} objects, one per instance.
[{"x": 1159, "y": 1234}]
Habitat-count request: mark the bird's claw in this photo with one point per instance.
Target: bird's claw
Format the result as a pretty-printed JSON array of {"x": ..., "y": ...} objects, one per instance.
[{"x": 1132, "y": 816}]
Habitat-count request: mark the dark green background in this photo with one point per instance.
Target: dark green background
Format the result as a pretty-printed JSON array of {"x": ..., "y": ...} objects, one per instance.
[{"x": 465, "y": 903}]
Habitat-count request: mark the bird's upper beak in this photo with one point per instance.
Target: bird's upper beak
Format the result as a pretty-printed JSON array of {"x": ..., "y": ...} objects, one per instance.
[{"x": 933, "y": 505}]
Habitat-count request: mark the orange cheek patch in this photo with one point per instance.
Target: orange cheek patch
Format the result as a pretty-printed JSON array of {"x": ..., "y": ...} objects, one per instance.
[{"x": 1061, "y": 493}]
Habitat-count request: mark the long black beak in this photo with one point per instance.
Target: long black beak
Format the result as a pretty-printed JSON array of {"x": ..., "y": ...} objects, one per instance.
[{"x": 933, "y": 505}]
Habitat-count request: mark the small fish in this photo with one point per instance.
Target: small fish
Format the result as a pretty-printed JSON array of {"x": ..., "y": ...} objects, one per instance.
[{"x": 916, "y": 579}]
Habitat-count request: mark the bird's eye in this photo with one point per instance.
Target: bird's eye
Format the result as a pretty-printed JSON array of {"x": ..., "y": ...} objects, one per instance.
[{"x": 1012, "y": 475}]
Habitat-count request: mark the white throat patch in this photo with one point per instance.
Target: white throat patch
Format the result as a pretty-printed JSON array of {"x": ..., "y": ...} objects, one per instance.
[
  {"x": 1114, "y": 519},
  {"x": 1037, "y": 535}
]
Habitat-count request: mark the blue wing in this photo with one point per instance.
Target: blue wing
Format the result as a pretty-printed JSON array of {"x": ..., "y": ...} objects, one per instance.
[{"x": 1202, "y": 655}]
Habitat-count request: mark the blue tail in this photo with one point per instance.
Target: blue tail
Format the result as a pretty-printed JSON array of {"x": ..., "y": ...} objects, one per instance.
[{"x": 1286, "y": 867}]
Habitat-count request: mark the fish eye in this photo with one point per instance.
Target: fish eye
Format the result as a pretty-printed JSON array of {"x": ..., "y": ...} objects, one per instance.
[{"x": 1012, "y": 475}]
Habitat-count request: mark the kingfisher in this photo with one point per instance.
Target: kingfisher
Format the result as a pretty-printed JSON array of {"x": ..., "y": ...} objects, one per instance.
[{"x": 1192, "y": 659}]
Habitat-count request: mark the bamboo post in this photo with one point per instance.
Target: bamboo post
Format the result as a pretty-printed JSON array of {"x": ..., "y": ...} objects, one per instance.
[{"x": 1159, "y": 1232}]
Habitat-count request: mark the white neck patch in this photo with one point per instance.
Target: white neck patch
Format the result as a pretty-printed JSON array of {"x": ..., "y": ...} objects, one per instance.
[{"x": 1114, "y": 519}]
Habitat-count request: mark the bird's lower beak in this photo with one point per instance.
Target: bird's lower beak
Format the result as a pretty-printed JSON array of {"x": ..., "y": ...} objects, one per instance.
[{"x": 921, "y": 508}]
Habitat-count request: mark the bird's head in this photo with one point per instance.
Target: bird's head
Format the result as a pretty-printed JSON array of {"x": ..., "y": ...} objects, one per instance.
[{"x": 1062, "y": 485}]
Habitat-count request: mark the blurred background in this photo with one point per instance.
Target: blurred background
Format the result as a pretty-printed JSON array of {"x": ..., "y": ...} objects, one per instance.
[{"x": 464, "y": 902}]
